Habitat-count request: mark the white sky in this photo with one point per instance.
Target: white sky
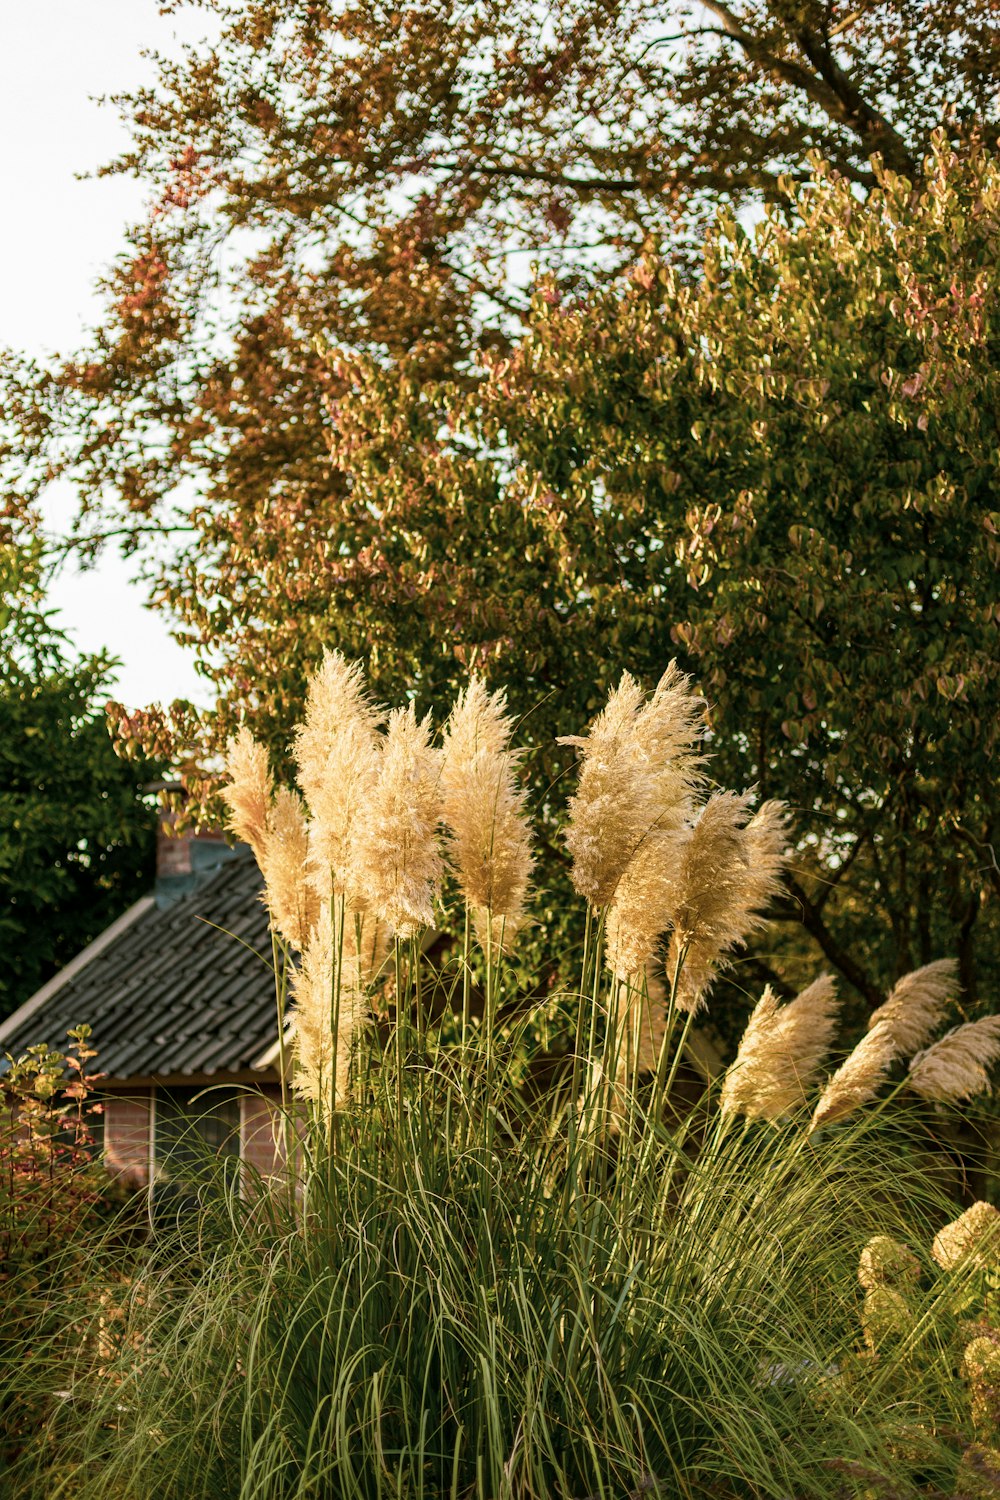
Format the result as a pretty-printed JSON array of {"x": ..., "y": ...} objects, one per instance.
[{"x": 55, "y": 55}]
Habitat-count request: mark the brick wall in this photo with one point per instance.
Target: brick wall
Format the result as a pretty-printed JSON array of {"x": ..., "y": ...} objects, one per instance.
[
  {"x": 126, "y": 1136},
  {"x": 260, "y": 1130},
  {"x": 127, "y": 1129}
]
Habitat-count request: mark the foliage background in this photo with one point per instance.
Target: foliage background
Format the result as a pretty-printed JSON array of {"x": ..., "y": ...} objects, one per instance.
[
  {"x": 76, "y": 839},
  {"x": 322, "y": 369}
]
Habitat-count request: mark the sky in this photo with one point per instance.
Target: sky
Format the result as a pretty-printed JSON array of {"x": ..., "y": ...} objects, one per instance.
[{"x": 55, "y": 57}]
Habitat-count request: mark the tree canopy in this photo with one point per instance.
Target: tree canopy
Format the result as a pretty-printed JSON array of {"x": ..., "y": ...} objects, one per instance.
[
  {"x": 323, "y": 367},
  {"x": 784, "y": 472},
  {"x": 76, "y": 840},
  {"x": 385, "y": 176}
]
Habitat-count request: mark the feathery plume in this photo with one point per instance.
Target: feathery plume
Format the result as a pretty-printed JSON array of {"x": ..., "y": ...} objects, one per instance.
[
  {"x": 668, "y": 729},
  {"x": 335, "y": 750},
  {"x": 917, "y": 1003},
  {"x": 248, "y": 790},
  {"x": 740, "y": 1091},
  {"x": 781, "y": 1052},
  {"x": 730, "y": 869},
  {"x": 483, "y": 808},
  {"x": 955, "y": 1067},
  {"x": 397, "y": 860},
  {"x": 637, "y": 774},
  {"x": 289, "y": 893},
  {"x": 973, "y": 1240},
  {"x": 858, "y": 1079},
  {"x": 322, "y": 1069},
  {"x": 766, "y": 841},
  {"x": 644, "y": 901}
]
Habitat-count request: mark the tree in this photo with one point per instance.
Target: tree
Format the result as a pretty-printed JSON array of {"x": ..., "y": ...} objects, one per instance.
[
  {"x": 370, "y": 181},
  {"x": 784, "y": 471},
  {"x": 76, "y": 840},
  {"x": 382, "y": 175}
]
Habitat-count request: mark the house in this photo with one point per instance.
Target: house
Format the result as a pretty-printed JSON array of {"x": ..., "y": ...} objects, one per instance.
[{"x": 180, "y": 998}]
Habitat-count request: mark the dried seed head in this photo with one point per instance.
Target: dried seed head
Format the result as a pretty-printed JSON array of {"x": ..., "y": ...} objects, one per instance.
[
  {"x": 858, "y": 1079},
  {"x": 917, "y": 1003},
  {"x": 731, "y": 868},
  {"x": 644, "y": 901},
  {"x": 885, "y": 1262},
  {"x": 248, "y": 789},
  {"x": 981, "y": 1368},
  {"x": 397, "y": 863},
  {"x": 289, "y": 892},
  {"x": 325, "y": 1018},
  {"x": 781, "y": 1052},
  {"x": 886, "y": 1316},
  {"x": 973, "y": 1240},
  {"x": 955, "y": 1067},
  {"x": 335, "y": 749},
  {"x": 483, "y": 808},
  {"x": 637, "y": 775},
  {"x": 978, "y": 1474}
]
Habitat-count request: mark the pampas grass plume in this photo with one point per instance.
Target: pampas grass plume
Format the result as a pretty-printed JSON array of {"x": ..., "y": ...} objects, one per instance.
[
  {"x": 858, "y": 1079},
  {"x": 335, "y": 750},
  {"x": 483, "y": 808},
  {"x": 781, "y": 1052},
  {"x": 955, "y": 1067},
  {"x": 644, "y": 902},
  {"x": 638, "y": 770},
  {"x": 289, "y": 892},
  {"x": 397, "y": 864},
  {"x": 917, "y": 1003},
  {"x": 731, "y": 868},
  {"x": 248, "y": 790}
]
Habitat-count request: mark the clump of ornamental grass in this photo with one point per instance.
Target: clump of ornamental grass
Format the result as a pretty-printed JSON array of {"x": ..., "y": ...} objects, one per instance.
[
  {"x": 471, "y": 1291},
  {"x": 431, "y": 1317}
]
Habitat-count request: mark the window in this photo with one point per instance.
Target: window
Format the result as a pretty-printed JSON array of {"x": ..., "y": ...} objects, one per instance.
[{"x": 194, "y": 1131}]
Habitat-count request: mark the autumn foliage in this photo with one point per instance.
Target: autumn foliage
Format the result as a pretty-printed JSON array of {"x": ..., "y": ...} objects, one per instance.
[{"x": 421, "y": 352}]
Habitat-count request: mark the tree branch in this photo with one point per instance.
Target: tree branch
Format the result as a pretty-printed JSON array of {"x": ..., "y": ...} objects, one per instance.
[
  {"x": 830, "y": 885},
  {"x": 542, "y": 174},
  {"x": 829, "y": 87},
  {"x": 817, "y": 929},
  {"x": 991, "y": 868}
]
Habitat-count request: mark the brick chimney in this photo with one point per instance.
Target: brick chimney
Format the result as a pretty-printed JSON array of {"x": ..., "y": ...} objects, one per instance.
[{"x": 185, "y": 860}]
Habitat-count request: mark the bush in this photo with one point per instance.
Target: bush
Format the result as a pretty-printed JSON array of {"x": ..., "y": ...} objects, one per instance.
[{"x": 51, "y": 1188}]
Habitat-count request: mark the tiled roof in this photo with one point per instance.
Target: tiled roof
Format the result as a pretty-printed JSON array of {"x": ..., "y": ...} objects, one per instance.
[{"x": 170, "y": 990}]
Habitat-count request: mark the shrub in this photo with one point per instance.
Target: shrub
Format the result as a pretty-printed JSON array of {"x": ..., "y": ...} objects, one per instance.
[{"x": 51, "y": 1185}]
